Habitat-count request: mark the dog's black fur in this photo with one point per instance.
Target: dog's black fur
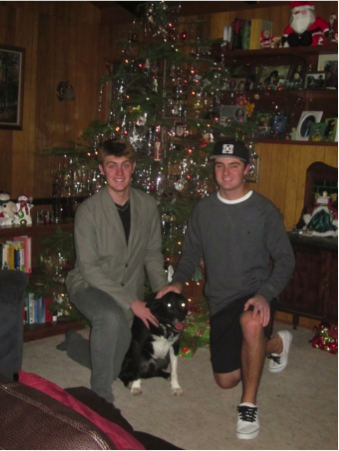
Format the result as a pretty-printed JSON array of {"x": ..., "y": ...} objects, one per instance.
[{"x": 149, "y": 351}]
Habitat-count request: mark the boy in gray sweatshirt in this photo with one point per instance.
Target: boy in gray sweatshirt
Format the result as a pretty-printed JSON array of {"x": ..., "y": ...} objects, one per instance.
[{"x": 237, "y": 232}]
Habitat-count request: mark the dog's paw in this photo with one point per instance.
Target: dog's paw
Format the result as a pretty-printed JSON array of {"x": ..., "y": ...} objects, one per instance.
[
  {"x": 136, "y": 391},
  {"x": 177, "y": 391}
]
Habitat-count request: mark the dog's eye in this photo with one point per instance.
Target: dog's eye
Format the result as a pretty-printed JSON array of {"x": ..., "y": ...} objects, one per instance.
[
  {"x": 169, "y": 305},
  {"x": 183, "y": 305}
]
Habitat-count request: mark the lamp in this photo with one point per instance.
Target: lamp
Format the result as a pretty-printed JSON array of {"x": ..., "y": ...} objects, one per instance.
[{"x": 65, "y": 91}]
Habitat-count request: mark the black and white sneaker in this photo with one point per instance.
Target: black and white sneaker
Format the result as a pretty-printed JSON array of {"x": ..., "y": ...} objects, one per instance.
[{"x": 248, "y": 421}]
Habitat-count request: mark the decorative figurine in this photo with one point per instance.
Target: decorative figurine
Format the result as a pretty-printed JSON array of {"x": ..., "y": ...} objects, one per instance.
[
  {"x": 7, "y": 210},
  {"x": 305, "y": 28},
  {"x": 24, "y": 206},
  {"x": 322, "y": 219}
]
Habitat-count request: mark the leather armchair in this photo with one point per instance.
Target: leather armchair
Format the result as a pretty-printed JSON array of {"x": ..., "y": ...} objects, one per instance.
[{"x": 12, "y": 287}]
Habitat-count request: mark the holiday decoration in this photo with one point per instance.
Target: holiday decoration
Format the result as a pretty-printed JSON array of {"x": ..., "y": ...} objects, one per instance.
[
  {"x": 24, "y": 206},
  {"x": 7, "y": 210},
  {"x": 333, "y": 33},
  {"x": 322, "y": 219},
  {"x": 305, "y": 28},
  {"x": 266, "y": 39},
  {"x": 325, "y": 337}
]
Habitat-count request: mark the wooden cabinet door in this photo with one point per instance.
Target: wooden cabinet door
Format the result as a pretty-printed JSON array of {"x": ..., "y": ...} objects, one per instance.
[{"x": 330, "y": 288}]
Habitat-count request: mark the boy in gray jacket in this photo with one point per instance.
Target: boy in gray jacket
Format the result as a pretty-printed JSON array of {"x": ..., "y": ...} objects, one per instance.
[
  {"x": 117, "y": 237},
  {"x": 237, "y": 232}
]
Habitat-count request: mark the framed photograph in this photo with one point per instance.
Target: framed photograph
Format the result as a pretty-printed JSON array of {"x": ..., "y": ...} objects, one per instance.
[
  {"x": 306, "y": 120},
  {"x": 315, "y": 81},
  {"x": 273, "y": 77},
  {"x": 264, "y": 119},
  {"x": 331, "y": 129},
  {"x": 317, "y": 131},
  {"x": 264, "y": 132},
  {"x": 11, "y": 86},
  {"x": 329, "y": 64},
  {"x": 232, "y": 112},
  {"x": 279, "y": 125},
  {"x": 237, "y": 84}
]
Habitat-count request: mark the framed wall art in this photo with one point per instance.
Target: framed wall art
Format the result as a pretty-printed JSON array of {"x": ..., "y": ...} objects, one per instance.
[{"x": 11, "y": 86}]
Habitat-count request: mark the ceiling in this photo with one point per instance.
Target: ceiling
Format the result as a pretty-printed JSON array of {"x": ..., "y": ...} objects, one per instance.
[{"x": 124, "y": 12}]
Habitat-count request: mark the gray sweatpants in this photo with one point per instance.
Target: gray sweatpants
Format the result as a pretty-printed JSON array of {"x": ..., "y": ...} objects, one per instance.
[{"x": 109, "y": 340}]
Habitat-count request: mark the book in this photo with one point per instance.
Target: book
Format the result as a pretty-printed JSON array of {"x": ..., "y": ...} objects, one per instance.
[
  {"x": 30, "y": 308},
  {"x": 241, "y": 29},
  {"x": 48, "y": 314},
  {"x": 257, "y": 26},
  {"x": 27, "y": 240},
  {"x": 16, "y": 248},
  {"x": 5, "y": 256}
]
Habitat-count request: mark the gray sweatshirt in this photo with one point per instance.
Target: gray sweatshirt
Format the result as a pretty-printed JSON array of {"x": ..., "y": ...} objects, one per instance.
[{"x": 236, "y": 242}]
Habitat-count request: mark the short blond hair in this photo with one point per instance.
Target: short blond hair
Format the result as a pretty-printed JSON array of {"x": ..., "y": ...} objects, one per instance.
[{"x": 117, "y": 148}]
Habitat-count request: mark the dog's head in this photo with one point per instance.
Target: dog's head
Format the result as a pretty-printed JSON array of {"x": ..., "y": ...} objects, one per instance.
[{"x": 170, "y": 310}]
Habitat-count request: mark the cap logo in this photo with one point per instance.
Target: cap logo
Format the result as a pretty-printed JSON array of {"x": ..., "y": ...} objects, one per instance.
[{"x": 227, "y": 149}]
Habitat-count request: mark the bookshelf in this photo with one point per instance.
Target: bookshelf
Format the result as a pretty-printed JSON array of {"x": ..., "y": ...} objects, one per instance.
[
  {"x": 38, "y": 232},
  {"x": 286, "y": 101}
]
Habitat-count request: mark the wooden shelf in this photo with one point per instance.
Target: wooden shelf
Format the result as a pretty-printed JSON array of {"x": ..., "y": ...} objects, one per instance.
[{"x": 38, "y": 331}]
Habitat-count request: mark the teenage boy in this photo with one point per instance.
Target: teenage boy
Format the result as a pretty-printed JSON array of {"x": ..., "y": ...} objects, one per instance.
[
  {"x": 117, "y": 237},
  {"x": 237, "y": 232}
]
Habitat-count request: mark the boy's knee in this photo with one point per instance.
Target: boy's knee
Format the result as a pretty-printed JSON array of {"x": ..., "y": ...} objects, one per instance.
[{"x": 228, "y": 380}]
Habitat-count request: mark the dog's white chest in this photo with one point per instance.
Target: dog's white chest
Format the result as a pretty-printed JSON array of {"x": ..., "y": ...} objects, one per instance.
[{"x": 161, "y": 346}]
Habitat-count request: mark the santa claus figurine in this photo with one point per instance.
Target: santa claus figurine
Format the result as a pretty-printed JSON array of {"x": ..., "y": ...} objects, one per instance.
[{"x": 305, "y": 28}]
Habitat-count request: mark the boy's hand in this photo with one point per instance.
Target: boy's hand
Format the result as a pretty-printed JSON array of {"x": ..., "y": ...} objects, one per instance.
[
  {"x": 175, "y": 287},
  {"x": 141, "y": 311},
  {"x": 261, "y": 307}
]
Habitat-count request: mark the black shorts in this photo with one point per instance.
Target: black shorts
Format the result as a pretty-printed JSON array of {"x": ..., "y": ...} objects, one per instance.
[{"x": 226, "y": 336}]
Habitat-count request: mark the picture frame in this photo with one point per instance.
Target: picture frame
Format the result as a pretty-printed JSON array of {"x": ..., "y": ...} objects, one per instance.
[
  {"x": 179, "y": 128},
  {"x": 273, "y": 77},
  {"x": 315, "y": 81},
  {"x": 317, "y": 132},
  {"x": 331, "y": 129},
  {"x": 264, "y": 132},
  {"x": 12, "y": 62},
  {"x": 232, "y": 112},
  {"x": 264, "y": 118},
  {"x": 279, "y": 126},
  {"x": 329, "y": 64},
  {"x": 304, "y": 126}
]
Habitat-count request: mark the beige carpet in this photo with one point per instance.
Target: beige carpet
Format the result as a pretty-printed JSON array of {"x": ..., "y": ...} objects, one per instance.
[{"x": 298, "y": 408}]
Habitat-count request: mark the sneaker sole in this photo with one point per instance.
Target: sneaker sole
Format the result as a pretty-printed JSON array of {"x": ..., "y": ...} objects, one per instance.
[{"x": 248, "y": 436}]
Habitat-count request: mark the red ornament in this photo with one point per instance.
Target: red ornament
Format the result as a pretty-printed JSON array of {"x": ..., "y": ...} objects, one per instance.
[{"x": 183, "y": 35}]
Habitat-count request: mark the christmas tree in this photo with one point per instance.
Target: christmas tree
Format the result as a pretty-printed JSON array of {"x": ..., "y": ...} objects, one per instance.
[{"x": 166, "y": 97}]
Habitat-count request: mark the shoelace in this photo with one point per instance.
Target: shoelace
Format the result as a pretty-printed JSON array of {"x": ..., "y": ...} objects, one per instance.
[
  {"x": 247, "y": 413},
  {"x": 275, "y": 358}
]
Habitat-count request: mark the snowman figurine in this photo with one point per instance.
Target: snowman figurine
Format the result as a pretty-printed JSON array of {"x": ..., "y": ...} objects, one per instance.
[
  {"x": 7, "y": 210},
  {"x": 24, "y": 206}
]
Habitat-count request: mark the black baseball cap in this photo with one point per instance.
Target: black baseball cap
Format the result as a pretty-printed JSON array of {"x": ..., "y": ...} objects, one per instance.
[{"x": 230, "y": 148}]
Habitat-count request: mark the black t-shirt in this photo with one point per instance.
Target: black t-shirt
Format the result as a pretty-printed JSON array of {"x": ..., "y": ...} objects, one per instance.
[{"x": 125, "y": 215}]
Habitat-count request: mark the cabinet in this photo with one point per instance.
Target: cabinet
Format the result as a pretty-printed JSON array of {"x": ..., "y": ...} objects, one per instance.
[
  {"x": 313, "y": 290},
  {"x": 37, "y": 233},
  {"x": 279, "y": 99}
]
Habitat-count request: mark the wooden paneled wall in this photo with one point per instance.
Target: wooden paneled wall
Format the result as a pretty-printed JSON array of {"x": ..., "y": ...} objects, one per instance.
[
  {"x": 61, "y": 42},
  {"x": 282, "y": 174}
]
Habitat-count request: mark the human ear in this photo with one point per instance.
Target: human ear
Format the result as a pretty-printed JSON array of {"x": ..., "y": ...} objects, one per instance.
[{"x": 101, "y": 169}]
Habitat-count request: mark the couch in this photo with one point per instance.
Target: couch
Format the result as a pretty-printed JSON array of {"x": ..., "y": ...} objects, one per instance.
[{"x": 37, "y": 414}]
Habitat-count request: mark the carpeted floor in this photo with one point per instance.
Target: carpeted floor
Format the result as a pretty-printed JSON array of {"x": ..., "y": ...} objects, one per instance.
[{"x": 298, "y": 408}]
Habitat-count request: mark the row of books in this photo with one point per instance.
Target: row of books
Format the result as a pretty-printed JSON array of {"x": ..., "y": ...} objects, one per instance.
[
  {"x": 17, "y": 254},
  {"x": 36, "y": 310},
  {"x": 246, "y": 34}
]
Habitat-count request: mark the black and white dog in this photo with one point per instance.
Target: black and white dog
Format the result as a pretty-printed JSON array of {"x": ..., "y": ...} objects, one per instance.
[{"x": 152, "y": 349}]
